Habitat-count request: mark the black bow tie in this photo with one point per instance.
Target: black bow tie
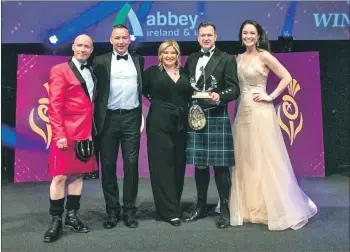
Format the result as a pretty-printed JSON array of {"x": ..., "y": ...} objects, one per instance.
[
  {"x": 85, "y": 66},
  {"x": 205, "y": 54},
  {"x": 125, "y": 57}
]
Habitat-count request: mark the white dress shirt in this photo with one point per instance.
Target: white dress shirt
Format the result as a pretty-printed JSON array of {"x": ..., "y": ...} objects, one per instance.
[
  {"x": 86, "y": 74},
  {"x": 123, "y": 92},
  {"x": 202, "y": 62}
]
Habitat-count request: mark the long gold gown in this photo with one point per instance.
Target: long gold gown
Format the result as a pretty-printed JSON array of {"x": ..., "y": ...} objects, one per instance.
[{"x": 264, "y": 188}]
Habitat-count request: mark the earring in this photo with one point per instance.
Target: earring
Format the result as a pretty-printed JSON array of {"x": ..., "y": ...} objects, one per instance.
[
  {"x": 242, "y": 43},
  {"x": 257, "y": 43}
]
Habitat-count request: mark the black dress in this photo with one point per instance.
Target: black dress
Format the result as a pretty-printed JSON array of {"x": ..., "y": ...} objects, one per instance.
[{"x": 166, "y": 127}]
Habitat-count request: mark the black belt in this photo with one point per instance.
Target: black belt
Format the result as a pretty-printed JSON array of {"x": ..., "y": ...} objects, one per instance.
[
  {"x": 177, "y": 113},
  {"x": 121, "y": 111}
]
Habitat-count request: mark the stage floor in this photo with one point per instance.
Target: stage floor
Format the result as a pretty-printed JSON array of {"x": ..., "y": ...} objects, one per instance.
[{"x": 25, "y": 219}]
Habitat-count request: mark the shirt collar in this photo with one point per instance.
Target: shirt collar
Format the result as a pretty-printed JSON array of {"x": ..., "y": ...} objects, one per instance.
[
  {"x": 115, "y": 53},
  {"x": 77, "y": 62},
  {"x": 211, "y": 50}
]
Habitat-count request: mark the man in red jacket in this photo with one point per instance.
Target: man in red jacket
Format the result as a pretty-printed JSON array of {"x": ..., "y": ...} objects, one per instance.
[{"x": 71, "y": 95}]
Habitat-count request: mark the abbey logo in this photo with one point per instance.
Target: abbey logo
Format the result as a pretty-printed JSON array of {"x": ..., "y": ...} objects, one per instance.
[
  {"x": 127, "y": 11},
  {"x": 159, "y": 24}
]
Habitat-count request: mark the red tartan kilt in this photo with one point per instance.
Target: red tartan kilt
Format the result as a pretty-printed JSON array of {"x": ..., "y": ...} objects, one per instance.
[{"x": 66, "y": 163}]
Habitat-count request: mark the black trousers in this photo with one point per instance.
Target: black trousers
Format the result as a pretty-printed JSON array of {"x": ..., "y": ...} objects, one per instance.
[
  {"x": 222, "y": 180},
  {"x": 120, "y": 128},
  {"x": 167, "y": 163}
]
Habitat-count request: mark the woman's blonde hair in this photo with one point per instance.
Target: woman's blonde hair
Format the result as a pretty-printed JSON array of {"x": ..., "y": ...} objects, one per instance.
[{"x": 163, "y": 46}]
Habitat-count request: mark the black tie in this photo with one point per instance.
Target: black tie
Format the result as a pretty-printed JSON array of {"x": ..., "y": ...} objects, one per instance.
[
  {"x": 87, "y": 66},
  {"x": 205, "y": 54},
  {"x": 125, "y": 57}
]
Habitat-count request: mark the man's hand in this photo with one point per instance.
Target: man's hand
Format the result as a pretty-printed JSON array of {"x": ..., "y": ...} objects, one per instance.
[
  {"x": 215, "y": 97},
  {"x": 62, "y": 143}
]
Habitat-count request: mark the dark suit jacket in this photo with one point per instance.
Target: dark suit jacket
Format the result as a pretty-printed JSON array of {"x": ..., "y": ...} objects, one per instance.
[
  {"x": 224, "y": 68},
  {"x": 102, "y": 69}
]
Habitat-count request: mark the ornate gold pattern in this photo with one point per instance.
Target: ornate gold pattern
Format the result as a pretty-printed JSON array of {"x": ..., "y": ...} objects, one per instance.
[
  {"x": 291, "y": 112},
  {"x": 42, "y": 113}
]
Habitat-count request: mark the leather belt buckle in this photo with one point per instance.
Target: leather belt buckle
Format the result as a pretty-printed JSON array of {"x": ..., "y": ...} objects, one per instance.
[{"x": 122, "y": 111}]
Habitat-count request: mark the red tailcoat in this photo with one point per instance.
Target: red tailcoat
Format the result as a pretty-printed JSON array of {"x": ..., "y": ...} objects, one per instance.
[{"x": 71, "y": 116}]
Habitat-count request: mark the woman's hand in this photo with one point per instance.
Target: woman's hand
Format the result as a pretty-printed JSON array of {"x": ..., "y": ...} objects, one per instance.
[{"x": 262, "y": 97}]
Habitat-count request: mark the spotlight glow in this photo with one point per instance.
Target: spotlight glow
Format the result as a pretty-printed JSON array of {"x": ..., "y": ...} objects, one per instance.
[{"x": 53, "y": 39}]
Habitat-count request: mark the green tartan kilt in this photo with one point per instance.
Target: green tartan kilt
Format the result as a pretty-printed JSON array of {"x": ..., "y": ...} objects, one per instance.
[{"x": 213, "y": 145}]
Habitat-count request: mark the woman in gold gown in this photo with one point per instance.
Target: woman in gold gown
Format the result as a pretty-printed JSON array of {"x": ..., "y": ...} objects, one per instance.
[{"x": 264, "y": 188}]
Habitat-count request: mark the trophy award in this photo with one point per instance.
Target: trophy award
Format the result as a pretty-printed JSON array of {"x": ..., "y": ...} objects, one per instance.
[
  {"x": 196, "y": 117},
  {"x": 198, "y": 93}
]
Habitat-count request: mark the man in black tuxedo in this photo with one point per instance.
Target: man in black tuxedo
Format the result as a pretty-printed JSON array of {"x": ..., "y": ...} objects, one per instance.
[
  {"x": 118, "y": 115},
  {"x": 212, "y": 145}
]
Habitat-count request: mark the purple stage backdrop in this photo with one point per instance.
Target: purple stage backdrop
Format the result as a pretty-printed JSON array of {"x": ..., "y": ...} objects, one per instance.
[{"x": 299, "y": 111}]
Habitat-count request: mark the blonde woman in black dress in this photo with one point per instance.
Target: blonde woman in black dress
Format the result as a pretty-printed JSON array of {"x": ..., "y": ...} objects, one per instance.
[{"x": 169, "y": 91}]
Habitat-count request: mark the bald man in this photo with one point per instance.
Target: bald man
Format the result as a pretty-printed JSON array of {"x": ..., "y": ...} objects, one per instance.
[{"x": 71, "y": 95}]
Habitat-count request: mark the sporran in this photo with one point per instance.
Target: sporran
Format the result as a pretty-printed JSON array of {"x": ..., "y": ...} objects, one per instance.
[{"x": 196, "y": 117}]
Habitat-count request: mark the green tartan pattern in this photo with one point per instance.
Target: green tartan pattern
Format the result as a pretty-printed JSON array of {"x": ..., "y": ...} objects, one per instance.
[{"x": 213, "y": 145}]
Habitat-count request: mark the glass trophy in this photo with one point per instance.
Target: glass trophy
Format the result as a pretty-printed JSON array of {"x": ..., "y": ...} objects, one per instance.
[
  {"x": 200, "y": 93},
  {"x": 213, "y": 83}
]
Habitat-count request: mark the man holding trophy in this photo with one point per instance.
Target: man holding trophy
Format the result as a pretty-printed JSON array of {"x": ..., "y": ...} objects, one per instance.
[{"x": 213, "y": 76}]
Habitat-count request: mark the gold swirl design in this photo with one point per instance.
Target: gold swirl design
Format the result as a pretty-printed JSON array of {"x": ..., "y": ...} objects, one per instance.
[
  {"x": 42, "y": 113},
  {"x": 288, "y": 106}
]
